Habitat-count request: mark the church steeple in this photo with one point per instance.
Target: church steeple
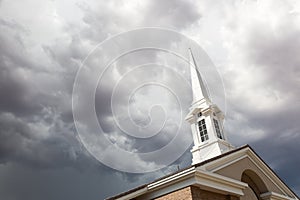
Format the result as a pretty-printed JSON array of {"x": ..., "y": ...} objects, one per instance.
[{"x": 206, "y": 120}]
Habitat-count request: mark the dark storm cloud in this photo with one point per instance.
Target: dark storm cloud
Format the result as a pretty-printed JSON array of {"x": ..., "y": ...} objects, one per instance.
[
  {"x": 283, "y": 160},
  {"x": 16, "y": 96},
  {"x": 37, "y": 134},
  {"x": 37, "y": 131},
  {"x": 22, "y": 142},
  {"x": 23, "y": 182},
  {"x": 275, "y": 51},
  {"x": 32, "y": 113}
]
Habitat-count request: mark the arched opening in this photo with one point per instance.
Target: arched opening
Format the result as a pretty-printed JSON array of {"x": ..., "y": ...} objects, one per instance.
[{"x": 256, "y": 185}]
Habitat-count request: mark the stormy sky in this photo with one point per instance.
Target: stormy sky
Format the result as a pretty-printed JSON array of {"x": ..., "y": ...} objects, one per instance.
[{"x": 253, "y": 47}]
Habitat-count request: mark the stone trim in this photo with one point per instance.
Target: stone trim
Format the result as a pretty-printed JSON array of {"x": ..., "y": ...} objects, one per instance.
[{"x": 274, "y": 196}]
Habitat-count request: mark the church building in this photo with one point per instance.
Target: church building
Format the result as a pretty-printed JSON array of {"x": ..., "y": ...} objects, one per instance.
[{"x": 219, "y": 171}]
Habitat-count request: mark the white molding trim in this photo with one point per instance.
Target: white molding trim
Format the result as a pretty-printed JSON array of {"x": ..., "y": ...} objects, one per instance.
[
  {"x": 220, "y": 183},
  {"x": 274, "y": 196},
  {"x": 172, "y": 178}
]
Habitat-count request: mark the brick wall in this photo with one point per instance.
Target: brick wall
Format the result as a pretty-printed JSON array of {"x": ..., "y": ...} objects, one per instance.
[
  {"x": 184, "y": 193},
  {"x": 199, "y": 194},
  {"x": 194, "y": 193}
]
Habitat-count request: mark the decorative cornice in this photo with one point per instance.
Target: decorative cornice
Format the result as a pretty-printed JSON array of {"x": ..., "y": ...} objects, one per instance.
[
  {"x": 220, "y": 183},
  {"x": 274, "y": 196},
  {"x": 195, "y": 176},
  {"x": 176, "y": 177}
]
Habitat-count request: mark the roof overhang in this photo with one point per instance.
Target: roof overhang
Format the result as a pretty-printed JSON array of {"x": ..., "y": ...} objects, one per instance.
[
  {"x": 204, "y": 176},
  {"x": 189, "y": 177}
]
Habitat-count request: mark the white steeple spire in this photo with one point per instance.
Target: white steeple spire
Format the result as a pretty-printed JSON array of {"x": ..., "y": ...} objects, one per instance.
[
  {"x": 199, "y": 90},
  {"x": 206, "y": 120}
]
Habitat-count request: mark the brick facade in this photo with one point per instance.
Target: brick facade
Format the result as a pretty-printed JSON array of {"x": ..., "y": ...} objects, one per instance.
[
  {"x": 184, "y": 193},
  {"x": 198, "y": 194},
  {"x": 195, "y": 193}
]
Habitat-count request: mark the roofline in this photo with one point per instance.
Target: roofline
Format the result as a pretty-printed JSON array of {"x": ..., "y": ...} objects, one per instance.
[
  {"x": 192, "y": 176},
  {"x": 184, "y": 169},
  {"x": 144, "y": 187}
]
